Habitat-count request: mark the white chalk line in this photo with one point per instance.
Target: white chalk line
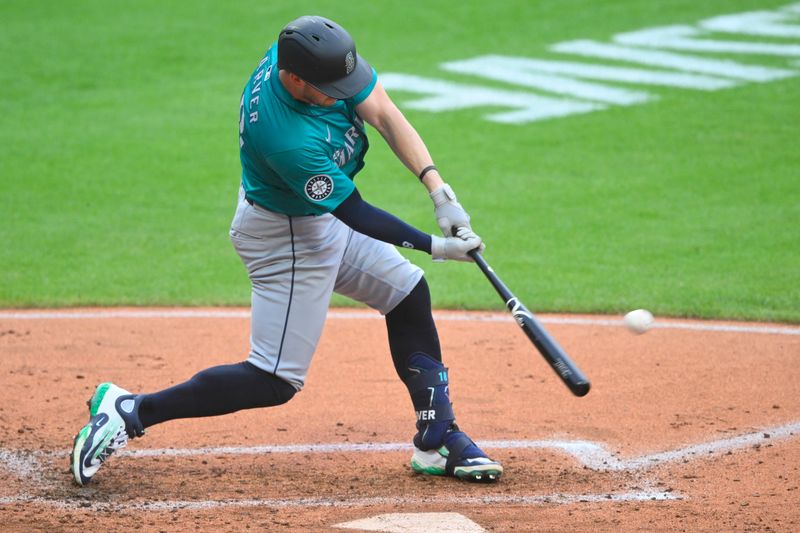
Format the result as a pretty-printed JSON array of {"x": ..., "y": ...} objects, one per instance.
[
  {"x": 449, "y": 501},
  {"x": 591, "y": 454},
  {"x": 355, "y": 315},
  {"x": 23, "y": 464}
]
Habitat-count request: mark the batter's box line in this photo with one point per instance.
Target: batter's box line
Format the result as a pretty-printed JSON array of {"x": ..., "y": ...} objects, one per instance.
[
  {"x": 596, "y": 456},
  {"x": 447, "y": 501},
  {"x": 590, "y": 454}
]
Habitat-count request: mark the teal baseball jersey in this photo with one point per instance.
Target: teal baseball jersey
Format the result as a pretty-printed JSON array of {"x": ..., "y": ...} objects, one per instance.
[{"x": 297, "y": 158}]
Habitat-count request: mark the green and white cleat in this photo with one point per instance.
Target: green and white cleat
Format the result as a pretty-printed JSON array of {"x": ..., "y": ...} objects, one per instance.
[
  {"x": 112, "y": 414},
  {"x": 460, "y": 458}
]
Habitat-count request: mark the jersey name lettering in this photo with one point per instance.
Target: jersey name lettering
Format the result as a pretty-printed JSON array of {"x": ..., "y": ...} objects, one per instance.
[
  {"x": 254, "y": 96},
  {"x": 426, "y": 415},
  {"x": 342, "y": 155},
  {"x": 254, "y": 99}
]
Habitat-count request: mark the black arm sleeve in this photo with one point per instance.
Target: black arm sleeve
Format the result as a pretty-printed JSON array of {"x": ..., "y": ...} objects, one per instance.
[{"x": 378, "y": 224}]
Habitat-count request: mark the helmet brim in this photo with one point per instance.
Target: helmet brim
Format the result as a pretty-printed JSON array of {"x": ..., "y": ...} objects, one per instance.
[{"x": 350, "y": 85}]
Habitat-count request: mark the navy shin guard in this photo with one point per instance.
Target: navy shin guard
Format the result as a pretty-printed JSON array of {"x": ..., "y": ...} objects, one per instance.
[
  {"x": 441, "y": 447},
  {"x": 428, "y": 387}
]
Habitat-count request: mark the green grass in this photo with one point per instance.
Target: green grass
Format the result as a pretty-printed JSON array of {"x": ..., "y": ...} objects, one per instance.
[{"x": 119, "y": 163}]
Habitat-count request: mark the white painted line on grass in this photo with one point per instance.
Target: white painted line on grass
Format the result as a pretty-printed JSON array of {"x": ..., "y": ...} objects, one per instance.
[
  {"x": 366, "y": 315},
  {"x": 449, "y": 501}
]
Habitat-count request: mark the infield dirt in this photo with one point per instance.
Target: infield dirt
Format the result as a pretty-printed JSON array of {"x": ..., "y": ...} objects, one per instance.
[{"x": 663, "y": 391}]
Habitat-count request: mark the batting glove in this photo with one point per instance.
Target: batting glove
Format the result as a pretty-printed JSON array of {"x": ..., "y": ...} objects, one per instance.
[
  {"x": 443, "y": 248},
  {"x": 448, "y": 211}
]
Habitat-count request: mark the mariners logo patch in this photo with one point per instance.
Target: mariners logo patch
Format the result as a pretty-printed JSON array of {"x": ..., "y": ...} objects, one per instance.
[
  {"x": 319, "y": 187},
  {"x": 349, "y": 62}
]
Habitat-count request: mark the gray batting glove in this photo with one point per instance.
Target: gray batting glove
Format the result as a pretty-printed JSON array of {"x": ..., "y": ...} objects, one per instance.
[
  {"x": 448, "y": 211},
  {"x": 443, "y": 248}
]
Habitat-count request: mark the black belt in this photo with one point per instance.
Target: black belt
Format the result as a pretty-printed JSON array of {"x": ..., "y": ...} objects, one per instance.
[{"x": 248, "y": 200}]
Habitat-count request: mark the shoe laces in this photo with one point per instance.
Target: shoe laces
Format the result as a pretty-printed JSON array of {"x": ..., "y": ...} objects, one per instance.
[{"x": 119, "y": 440}]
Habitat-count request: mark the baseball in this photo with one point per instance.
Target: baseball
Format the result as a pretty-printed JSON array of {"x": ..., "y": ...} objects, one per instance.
[{"x": 639, "y": 321}]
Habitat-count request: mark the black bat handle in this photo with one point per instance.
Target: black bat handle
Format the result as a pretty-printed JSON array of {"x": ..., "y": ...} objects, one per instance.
[{"x": 498, "y": 285}]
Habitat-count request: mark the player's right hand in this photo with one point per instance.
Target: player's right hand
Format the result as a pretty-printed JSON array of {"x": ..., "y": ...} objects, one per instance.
[
  {"x": 449, "y": 212},
  {"x": 443, "y": 248}
]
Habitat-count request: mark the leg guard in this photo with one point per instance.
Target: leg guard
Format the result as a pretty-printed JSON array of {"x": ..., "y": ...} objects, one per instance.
[
  {"x": 428, "y": 387},
  {"x": 441, "y": 448}
]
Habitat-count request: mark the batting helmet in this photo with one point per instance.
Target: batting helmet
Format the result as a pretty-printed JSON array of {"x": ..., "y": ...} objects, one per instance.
[{"x": 323, "y": 54}]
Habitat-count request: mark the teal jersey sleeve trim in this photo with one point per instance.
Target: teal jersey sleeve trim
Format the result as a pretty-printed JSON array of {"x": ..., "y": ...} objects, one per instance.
[
  {"x": 366, "y": 91},
  {"x": 313, "y": 178}
]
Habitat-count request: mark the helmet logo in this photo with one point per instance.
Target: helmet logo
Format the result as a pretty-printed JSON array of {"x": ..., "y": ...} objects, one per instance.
[{"x": 349, "y": 62}]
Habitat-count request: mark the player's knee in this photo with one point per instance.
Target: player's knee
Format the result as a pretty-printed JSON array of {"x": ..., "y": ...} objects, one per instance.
[
  {"x": 414, "y": 310},
  {"x": 272, "y": 389},
  {"x": 284, "y": 391},
  {"x": 417, "y": 300}
]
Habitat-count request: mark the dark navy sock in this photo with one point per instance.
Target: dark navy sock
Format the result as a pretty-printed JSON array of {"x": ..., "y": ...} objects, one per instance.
[
  {"x": 215, "y": 391},
  {"x": 411, "y": 329}
]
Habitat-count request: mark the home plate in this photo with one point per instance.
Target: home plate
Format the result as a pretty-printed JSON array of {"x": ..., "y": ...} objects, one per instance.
[{"x": 415, "y": 523}]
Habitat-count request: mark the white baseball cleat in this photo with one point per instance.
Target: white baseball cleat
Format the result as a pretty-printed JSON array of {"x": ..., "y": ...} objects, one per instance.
[
  {"x": 111, "y": 412},
  {"x": 458, "y": 457}
]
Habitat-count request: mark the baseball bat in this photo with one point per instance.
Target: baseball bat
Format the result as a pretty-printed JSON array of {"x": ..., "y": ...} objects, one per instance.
[{"x": 554, "y": 354}]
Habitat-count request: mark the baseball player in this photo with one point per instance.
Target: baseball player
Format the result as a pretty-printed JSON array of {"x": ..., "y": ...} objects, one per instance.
[{"x": 303, "y": 231}]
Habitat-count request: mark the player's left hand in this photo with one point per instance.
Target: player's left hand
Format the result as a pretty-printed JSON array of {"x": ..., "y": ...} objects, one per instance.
[
  {"x": 456, "y": 247},
  {"x": 449, "y": 212}
]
